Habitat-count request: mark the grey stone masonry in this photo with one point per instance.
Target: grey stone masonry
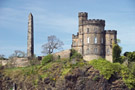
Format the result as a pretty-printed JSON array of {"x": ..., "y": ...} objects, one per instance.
[
  {"x": 92, "y": 40},
  {"x": 30, "y": 38}
]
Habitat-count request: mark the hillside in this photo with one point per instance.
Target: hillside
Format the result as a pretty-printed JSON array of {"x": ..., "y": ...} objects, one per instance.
[{"x": 68, "y": 74}]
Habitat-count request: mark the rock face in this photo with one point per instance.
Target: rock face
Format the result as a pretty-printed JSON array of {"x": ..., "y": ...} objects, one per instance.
[
  {"x": 30, "y": 41},
  {"x": 81, "y": 78}
]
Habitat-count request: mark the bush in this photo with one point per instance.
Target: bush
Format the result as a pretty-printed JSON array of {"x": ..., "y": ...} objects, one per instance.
[
  {"x": 75, "y": 54},
  {"x": 47, "y": 59},
  {"x": 108, "y": 69}
]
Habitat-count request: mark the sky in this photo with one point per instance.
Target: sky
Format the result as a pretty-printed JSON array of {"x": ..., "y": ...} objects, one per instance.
[{"x": 60, "y": 18}]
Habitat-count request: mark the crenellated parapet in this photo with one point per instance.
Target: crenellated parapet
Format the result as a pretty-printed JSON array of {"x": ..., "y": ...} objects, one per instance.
[
  {"x": 82, "y": 14},
  {"x": 110, "y": 31},
  {"x": 94, "y": 22},
  {"x": 75, "y": 36}
]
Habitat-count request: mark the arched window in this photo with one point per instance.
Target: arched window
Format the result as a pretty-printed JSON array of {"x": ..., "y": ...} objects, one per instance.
[
  {"x": 95, "y": 50},
  {"x": 95, "y": 40},
  {"x": 88, "y": 40},
  {"x": 88, "y": 51}
]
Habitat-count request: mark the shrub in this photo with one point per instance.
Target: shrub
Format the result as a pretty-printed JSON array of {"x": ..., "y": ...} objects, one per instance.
[
  {"x": 47, "y": 59},
  {"x": 75, "y": 54},
  {"x": 108, "y": 69}
]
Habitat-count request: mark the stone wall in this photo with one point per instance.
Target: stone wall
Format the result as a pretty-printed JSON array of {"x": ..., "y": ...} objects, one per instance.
[
  {"x": 63, "y": 54},
  {"x": 16, "y": 62}
]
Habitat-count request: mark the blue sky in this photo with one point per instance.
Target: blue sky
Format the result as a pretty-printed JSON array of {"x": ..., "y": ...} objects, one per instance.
[{"x": 60, "y": 18}]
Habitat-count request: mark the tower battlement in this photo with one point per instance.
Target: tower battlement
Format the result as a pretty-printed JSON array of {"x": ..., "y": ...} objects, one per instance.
[
  {"x": 82, "y": 14},
  {"x": 75, "y": 36},
  {"x": 94, "y": 22},
  {"x": 111, "y": 32}
]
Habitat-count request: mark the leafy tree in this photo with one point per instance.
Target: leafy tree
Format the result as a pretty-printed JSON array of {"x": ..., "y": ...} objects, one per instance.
[
  {"x": 132, "y": 67},
  {"x": 130, "y": 56},
  {"x": 118, "y": 41},
  {"x": 52, "y": 44},
  {"x": 18, "y": 53},
  {"x": 116, "y": 53}
]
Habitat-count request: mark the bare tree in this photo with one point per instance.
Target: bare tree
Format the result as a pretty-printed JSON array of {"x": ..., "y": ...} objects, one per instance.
[
  {"x": 2, "y": 56},
  {"x": 52, "y": 44},
  {"x": 18, "y": 53}
]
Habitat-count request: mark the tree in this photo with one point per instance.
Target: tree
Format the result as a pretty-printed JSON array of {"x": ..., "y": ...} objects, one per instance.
[
  {"x": 18, "y": 53},
  {"x": 2, "y": 57},
  {"x": 116, "y": 53},
  {"x": 52, "y": 44},
  {"x": 130, "y": 56}
]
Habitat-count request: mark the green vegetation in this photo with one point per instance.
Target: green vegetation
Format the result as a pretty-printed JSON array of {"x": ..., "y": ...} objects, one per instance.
[
  {"x": 47, "y": 59},
  {"x": 49, "y": 68},
  {"x": 75, "y": 54},
  {"x": 116, "y": 53},
  {"x": 57, "y": 69},
  {"x": 130, "y": 56},
  {"x": 108, "y": 69}
]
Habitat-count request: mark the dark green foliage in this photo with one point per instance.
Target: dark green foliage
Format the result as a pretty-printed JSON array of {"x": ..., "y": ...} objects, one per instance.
[
  {"x": 116, "y": 53},
  {"x": 132, "y": 67},
  {"x": 130, "y": 56},
  {"x": 47, "y": 59},
  {"x": 108, "y": 69},
  {"x": 121, "y": 59},
  {"x": 75, "y": 54}
]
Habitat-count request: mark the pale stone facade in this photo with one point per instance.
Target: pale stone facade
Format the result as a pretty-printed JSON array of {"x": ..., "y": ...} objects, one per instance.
[
  {"x": 30, "y": 38},
  {"x": 92, "y": 41}
]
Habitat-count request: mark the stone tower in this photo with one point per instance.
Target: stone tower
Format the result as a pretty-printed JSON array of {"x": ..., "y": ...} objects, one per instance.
[
  {"x": 30, "y": 38},
  {"x": 92, "y": 41}
]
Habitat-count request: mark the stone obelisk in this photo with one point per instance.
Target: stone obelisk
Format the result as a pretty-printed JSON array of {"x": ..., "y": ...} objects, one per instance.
[{"x": 30, "y": 38}]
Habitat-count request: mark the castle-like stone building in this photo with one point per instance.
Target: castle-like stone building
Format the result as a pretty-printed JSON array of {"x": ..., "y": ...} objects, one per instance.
[{"x": 92, "y": 40}]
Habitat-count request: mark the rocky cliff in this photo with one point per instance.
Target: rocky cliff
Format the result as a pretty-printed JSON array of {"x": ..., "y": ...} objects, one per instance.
[{"x": 59, "y": 75}]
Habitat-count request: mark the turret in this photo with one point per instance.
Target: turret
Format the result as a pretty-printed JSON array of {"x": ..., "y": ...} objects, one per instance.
[{"x": 82, "y": 17}]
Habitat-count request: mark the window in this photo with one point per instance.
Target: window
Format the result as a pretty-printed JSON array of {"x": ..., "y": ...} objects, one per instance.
[
  {"x": 102, "y": 41},
  {"x": 88, "y": 30},
  {"x": 95, "y": 40},
  {"x": 88, "y": 51},
  {"x": 108, "y": 51},
  {"x": 95, "y": 50},
  {"x": 88, "y": 40},
  {"x": 111, "y": 41}
]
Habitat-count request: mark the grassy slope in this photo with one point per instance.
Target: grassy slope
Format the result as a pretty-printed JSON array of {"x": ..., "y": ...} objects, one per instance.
[{"x": 59, "y": 68}]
